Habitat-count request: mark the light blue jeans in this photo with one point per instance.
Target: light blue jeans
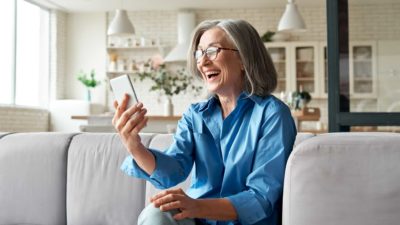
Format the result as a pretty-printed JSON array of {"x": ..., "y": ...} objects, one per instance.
[{"x": 154, "y": 216}]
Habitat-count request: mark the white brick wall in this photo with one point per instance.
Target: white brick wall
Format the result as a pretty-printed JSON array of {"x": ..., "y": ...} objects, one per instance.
[
  {"x": 21, "y": 119},
  {"x": 367, "y": 22}
]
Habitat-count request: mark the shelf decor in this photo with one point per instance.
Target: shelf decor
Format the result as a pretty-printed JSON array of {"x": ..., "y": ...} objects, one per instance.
[{"x": 169, "y": 83}]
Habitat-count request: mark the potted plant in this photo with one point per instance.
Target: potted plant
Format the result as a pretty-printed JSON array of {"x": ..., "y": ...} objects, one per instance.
[
  {"x": 90, "y": 82},
  {"x": 169, "y": 83},
  {"x": 301, "y": 99}
]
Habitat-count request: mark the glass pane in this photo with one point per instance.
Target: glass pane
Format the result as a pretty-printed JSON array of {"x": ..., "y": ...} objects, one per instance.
[
  {"x": 278, "y": 55},
  {"x": 6, "y": 46},
  {"x": 362, "y": 69},
  {"x": 374, "y": 49},
  {"x": 32, "y": 61},
  {"x": 305, "y": 69}
]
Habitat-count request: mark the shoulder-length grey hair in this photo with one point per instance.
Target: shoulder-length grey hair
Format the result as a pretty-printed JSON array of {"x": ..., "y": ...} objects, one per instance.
[{"x": 260, "y": 74}]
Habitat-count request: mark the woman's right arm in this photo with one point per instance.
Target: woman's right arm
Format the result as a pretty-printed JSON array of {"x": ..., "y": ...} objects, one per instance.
[{"x": 128, "y": 123}]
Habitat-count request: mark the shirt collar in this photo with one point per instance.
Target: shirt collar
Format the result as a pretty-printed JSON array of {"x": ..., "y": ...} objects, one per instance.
[{"x": 213, "y": 100}]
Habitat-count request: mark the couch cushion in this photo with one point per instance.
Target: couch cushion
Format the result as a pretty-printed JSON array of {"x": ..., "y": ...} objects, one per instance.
[
  {"x": 2, "y": 134},
  {"x": 33, "y": 178},
  {"x": 344, "y": 178},
  {"x": 302, "y": 136},
  {"x": 162, "y": 142},
  {"x": 97, "y": 191}
]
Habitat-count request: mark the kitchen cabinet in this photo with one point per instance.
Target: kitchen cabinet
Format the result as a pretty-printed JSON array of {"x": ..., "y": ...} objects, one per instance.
[
  {"x": 303, "y": 65},
  {"x": 362, "y": 70},
  {"x": 297, "y": 66},
  {"x": 363, "y": 76}
]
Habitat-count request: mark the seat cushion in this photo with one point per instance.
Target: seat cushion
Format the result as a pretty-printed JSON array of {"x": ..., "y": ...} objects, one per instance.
[
  {"x": 33, "y": 168},
  {"x": 344, "y": 178}
]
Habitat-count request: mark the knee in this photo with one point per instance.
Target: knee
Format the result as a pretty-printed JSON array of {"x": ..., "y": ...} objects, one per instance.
[{"x": 153, "y": 216}]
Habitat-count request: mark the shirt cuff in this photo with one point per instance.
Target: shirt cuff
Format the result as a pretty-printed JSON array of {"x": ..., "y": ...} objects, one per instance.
[
  {"x": 130, "y": 168},
  {"x": 162, "y": 177},
  {"x": 248, "y": 208},
  {"x": 167, "y": 173}
]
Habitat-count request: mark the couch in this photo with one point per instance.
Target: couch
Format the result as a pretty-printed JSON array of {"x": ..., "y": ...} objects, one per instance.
[{"x": 74, "y": 178}]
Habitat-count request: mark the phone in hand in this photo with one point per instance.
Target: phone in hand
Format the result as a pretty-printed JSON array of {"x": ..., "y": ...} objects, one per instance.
[{"x": 123, "y": 85}]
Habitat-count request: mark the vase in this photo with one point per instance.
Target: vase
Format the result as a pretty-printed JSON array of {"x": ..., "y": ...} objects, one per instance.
[
  {"x": 88, "y": 95},
  {"x": 168, "y": 107}
]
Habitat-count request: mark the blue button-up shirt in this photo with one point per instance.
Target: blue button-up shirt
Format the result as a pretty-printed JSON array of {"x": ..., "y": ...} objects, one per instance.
[{"x": 241, "y": 158}]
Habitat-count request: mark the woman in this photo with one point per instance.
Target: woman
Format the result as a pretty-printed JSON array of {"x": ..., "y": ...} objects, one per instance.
[{"x": 238, "y": 140}]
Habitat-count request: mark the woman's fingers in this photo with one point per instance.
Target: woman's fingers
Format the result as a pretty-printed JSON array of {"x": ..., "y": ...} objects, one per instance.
[
  {"x": 167, "y": 201},
  {"x": 134, "y": 121},
  {"x": 166, "y": 192},
  {"x": 171, "y": 205},
  {"x": 127, "y": 115},
  {"x": 140, "y": 126},
  {"x": 119, "y": 109}
]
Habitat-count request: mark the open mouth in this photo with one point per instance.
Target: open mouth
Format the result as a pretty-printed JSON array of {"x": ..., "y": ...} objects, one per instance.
[{"x": 211, "y": 74}]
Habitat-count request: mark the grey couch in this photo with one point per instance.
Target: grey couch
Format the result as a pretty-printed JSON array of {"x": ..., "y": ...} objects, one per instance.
[{"x": 67, "y": 178}]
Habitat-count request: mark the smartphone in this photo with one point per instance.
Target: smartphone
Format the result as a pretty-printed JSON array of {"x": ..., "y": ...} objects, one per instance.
[{"x": 123, "y": 85}]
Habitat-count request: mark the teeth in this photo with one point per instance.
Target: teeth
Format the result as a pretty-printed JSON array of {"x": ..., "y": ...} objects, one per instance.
[{"x": 210, "y": 74}]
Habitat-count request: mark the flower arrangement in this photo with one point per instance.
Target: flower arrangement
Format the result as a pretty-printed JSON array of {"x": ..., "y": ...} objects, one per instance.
[
  {"x": 89, "y": 82},
  {"x": 168, "y": 82}
]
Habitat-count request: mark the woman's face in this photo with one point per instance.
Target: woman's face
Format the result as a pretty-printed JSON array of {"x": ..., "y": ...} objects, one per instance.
[{"x": 223, "y": 75}]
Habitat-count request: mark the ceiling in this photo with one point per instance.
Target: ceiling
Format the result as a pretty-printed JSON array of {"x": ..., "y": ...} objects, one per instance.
[{"x": 140, "y": 5}]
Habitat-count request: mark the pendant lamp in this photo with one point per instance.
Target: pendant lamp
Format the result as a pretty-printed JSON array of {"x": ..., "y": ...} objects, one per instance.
[
  {"x": 120, "y": 25},
  {"x": 291, "y": 20}
]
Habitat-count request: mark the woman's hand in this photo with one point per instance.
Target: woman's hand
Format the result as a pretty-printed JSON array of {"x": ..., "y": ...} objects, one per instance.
[
  {"x": 129, "y": 122},
  {"x": 177, "y": 199}
]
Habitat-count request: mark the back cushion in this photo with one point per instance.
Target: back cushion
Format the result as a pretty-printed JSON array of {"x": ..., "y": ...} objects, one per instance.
[
  {"x": 98, "y": 192},
  {"x": 33, "y": 168},
  {"x": 344, "y": 178},
  {"x": 162, "y": 142}
]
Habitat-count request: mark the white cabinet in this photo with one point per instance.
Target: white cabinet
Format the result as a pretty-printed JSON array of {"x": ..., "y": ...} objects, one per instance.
[
  {"x": 304, "y": 64},
  {"x": 297, "y": 66},
  {"x": 363, "y": 76},
  {"x": 362, "y": 70},
  {"x": 280, "y": 56}
]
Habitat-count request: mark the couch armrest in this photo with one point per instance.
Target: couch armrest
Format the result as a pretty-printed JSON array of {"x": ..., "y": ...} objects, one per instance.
[{"x": 344, "y": 178}]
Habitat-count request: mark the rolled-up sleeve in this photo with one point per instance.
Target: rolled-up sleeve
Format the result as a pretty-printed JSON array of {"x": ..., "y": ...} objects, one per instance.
[
  {"x": 172, "y": 166},
  {"x": 265, "y": 182}
]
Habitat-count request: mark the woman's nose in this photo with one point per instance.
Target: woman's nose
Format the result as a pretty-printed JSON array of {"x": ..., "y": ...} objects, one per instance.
[{"x": 204, "y": 60}]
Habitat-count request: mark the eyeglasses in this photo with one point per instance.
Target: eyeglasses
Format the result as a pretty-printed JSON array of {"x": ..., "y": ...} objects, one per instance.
[{"x": 210, "y": 52}]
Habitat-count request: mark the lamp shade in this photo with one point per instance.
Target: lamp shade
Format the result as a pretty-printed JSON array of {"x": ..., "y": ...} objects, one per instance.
[
  {"x": 291, "y": 19},
  {"x": 120, "y": 25}
]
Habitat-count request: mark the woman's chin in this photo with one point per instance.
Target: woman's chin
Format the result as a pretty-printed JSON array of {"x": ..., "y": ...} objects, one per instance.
[{"x": 212, "y": 88}]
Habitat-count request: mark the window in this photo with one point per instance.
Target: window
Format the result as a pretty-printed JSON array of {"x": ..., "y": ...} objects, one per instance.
[
  {"x": 25, "y": 62},
  {"x": 362, "y": 97}
]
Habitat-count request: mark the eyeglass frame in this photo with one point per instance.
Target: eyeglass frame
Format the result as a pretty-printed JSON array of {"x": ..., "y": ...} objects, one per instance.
[{"x": 204, "y": 52}]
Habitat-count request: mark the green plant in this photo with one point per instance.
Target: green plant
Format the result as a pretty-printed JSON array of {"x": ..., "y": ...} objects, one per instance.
[
  {"x": 89, "y": 81},
  {"x": 301, "y": 99},
  {"x": 267, "y": 36},
  {"x": 168, "y": 82}
]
